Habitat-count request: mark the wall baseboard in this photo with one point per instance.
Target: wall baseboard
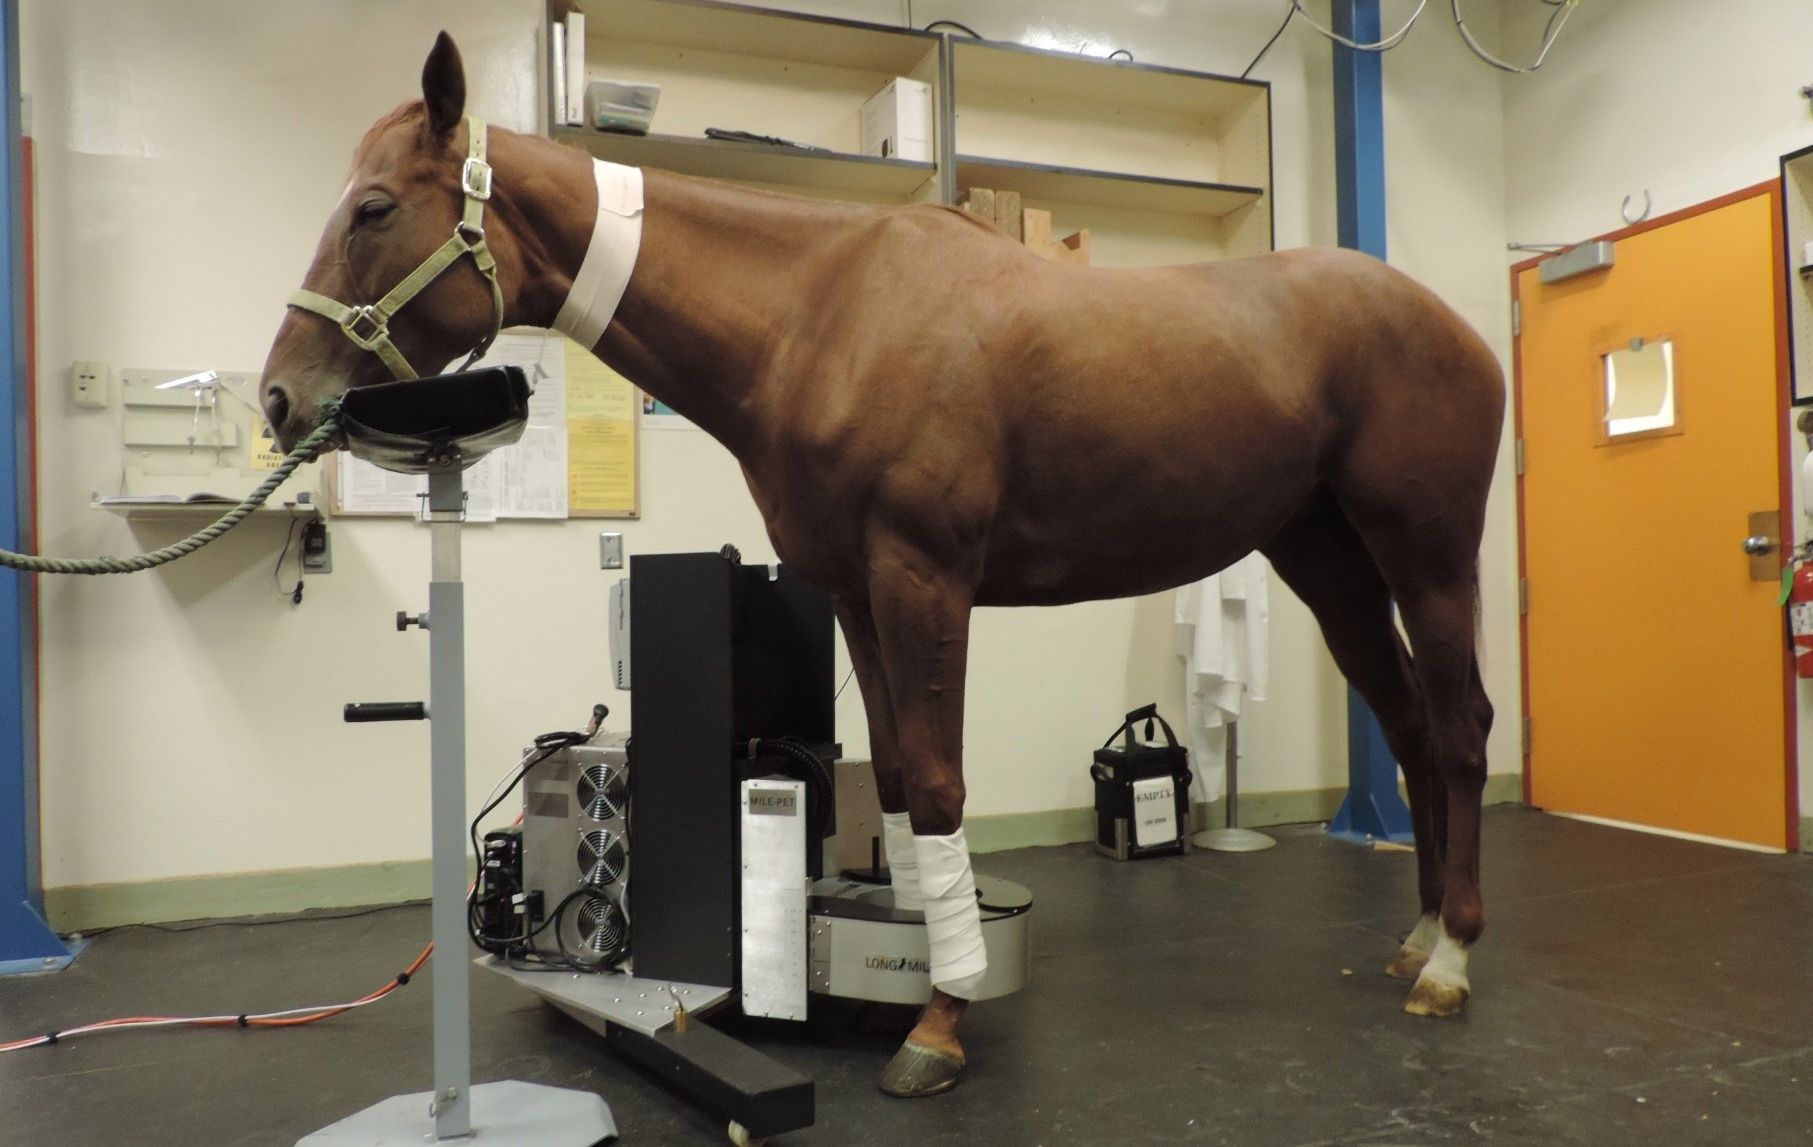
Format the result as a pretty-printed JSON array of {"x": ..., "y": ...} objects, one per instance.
[
  {"x": 82, "y": 908},
  {"x": 1806, "y": 834}
]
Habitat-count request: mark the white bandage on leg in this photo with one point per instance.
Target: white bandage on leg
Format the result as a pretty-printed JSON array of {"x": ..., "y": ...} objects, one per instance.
[
  {"x": 953, "y": 921},
  {"x": 610, "y": 257},
  {"x": 903, "y": 861}
]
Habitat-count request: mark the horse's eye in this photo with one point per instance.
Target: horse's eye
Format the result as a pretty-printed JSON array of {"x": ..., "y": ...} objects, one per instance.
[{"x": 371, "y": 211}]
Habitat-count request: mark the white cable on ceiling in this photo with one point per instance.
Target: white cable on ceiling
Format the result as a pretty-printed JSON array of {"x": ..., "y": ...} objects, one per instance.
[
  {"x": 1557, "y": 20},
  {"x": 1385, "y": 45}
]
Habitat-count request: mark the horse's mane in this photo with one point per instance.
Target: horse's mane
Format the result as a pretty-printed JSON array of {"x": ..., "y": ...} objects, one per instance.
[{"x": 407, "y": 112}]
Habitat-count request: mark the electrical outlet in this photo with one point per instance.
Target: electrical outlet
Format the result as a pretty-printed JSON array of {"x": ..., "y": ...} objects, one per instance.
[
  {"x": 88, "y": 384},
  {"x": 610, "y": 551},
  {"x": 317, "y": 551}
]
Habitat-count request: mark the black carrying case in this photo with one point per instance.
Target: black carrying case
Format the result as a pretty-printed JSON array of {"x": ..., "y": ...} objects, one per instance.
[{"x": 1115, "y": 770}]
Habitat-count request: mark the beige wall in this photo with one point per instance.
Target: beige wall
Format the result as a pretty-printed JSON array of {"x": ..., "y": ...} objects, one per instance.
[
  {"x": 1686, "y": 100},
  {"x": 188, "y": 154}
]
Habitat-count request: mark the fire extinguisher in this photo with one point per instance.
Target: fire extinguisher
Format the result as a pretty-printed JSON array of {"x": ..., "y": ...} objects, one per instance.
[{"x": 1800, "y": 617}]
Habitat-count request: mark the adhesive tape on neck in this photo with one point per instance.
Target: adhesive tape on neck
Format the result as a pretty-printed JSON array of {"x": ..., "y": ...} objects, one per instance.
[{"x": 610, "y": 258}]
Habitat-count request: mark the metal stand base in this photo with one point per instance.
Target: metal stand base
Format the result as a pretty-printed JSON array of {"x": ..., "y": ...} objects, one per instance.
[
  {"x": 36, "y": 964},
  {"x": 511, "y": 1114},
  {"x": 1232, "y": 840}
]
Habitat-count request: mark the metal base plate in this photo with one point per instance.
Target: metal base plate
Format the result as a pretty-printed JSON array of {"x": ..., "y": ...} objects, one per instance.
[
  {"x": 628, "y": 1001},
  {"x": 1232, "y": 840},
  {"x": 510, "y": 1113}
]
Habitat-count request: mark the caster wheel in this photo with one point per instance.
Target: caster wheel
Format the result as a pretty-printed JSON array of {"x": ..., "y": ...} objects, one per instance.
[{"x": 739, "y": 1135}]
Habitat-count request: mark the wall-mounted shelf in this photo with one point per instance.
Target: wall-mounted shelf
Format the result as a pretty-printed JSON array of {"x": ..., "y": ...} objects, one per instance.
[
  {"x": 199, "y": 512},
  {"x": 754, "y": 162},
  {"x": 743, "y": 30},
  {"x": 1105, "y": 188},
  {"x": 1161, "y": 165}
]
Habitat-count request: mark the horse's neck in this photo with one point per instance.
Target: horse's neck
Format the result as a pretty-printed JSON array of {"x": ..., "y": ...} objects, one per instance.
[{"x": 718, "y": 281}]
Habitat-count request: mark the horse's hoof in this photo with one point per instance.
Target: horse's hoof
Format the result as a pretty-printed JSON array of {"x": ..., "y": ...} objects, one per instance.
[
  {"x": 1407, "y": 964},
  {"x": 917, "y": 1071},
  {"x": 874, "y": 1018},
  {"x": 1429, "y": 998}
]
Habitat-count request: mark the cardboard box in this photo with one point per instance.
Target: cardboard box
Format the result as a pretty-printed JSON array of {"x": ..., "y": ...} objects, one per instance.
[{"x": 896, "y": 122}]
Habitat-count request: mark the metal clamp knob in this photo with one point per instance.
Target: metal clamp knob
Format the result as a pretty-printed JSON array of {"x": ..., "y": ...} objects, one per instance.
[
  {"x": 405, "y": 620},
  {"x": 1759, "y": 544}
]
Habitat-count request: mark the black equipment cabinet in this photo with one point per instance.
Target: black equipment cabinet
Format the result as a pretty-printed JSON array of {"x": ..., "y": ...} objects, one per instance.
[{"x": 722, "y": 653}]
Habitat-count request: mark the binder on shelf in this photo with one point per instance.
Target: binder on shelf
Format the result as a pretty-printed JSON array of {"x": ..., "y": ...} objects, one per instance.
[
  {"x": 557, "y": 74},
  {"x": 575, "y": 87}
]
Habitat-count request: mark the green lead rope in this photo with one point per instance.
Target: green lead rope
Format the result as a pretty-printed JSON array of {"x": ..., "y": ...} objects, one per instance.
[{"x": 305, "y": 451}]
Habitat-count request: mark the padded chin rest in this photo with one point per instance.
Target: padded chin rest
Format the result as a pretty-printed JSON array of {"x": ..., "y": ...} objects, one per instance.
[{"x": 428, "y": 423}]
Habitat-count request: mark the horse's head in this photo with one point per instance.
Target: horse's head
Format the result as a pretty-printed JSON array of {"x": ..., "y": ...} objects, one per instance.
[{"x": 411, "y": 188}]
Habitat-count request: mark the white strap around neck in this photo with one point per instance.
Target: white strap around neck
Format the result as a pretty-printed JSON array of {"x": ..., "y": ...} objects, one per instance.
[{"x": 610, "y": 258}]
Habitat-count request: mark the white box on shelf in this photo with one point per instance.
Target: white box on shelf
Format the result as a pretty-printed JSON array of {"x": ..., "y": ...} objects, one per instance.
[
  {"x": 896, "y": 122},
  {"x": 615, "y": 105}
]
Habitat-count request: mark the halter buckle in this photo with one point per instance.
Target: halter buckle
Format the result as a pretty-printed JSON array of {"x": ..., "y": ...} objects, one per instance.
[
  {"x": 365, "y": 314},
  {"x": 475, "y": 178}
]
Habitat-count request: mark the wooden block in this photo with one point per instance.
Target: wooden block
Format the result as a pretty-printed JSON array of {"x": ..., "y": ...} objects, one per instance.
[
  {"x": 1070, "y": 249},
  {"x": 1035, "y": 227},
  {"x": 1007, "y": 215},
  {"x": 980, "y": 202}
]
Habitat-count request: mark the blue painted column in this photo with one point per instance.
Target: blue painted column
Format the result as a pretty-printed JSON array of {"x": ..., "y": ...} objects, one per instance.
[
  {"x": 26, "y": 942},
  {"x": 1373, "y": 809}
]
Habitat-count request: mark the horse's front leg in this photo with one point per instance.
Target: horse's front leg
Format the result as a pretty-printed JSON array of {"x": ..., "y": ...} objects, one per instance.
[{"x": 920, "y": 609}]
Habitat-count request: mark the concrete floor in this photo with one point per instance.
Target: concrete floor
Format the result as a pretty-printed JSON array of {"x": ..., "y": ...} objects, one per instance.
[{"x": 1631, "y": 989}]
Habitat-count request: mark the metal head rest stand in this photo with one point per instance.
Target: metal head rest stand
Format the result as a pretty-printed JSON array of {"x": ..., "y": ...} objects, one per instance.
[
  {"x": 1232, "y": 838},
  {"x": 410, "y": 438}
]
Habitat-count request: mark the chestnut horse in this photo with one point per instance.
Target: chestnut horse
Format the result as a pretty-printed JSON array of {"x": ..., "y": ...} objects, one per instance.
[{"x": 932, "y": 419}]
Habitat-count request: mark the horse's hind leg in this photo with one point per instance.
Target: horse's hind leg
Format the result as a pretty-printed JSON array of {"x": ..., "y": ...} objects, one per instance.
[
  {"x": 1321, "y": 557},
  {"x": 1436, "y": 588}
]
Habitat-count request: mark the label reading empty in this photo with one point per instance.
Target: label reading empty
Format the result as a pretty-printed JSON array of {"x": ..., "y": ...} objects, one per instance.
[{"x": 1154, "y": 811}]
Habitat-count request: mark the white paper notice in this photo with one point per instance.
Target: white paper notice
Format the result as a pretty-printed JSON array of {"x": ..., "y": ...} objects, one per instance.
[
  {"x": 1154, "y": 811},
  {"x": 365, "y": 489},
  {"x": 529, "y": 479}
]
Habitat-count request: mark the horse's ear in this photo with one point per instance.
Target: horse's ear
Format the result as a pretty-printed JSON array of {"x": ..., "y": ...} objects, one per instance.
[{"x": 444, "y": 87}]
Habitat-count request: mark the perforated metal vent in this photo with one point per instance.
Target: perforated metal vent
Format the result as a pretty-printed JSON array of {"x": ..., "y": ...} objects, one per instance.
[
  {"x": 600, "y": 857},
  {"x": 601, "y": 927},
  {"x": 603, "y": 792}
]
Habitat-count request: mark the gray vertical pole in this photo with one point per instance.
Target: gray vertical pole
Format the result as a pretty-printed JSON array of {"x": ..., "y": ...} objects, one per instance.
[
  {"x": 946, "y": 149},
  {"x": 1233, "y": 774},
  {"x": 447, "y": 755}
]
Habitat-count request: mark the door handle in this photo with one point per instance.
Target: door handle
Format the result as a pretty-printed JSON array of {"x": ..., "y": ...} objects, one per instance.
[{"x": 1763, "y": 538}]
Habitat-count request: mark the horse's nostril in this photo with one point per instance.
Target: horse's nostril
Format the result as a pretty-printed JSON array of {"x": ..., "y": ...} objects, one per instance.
[{"x": 277, "y": 407}]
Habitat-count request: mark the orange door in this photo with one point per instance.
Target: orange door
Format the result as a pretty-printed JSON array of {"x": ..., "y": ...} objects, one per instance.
[{"x": 1655, "y": 664}]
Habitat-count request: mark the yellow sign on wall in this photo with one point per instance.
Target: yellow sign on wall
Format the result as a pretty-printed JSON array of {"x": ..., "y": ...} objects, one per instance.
[{"x": 601, "y": 438}]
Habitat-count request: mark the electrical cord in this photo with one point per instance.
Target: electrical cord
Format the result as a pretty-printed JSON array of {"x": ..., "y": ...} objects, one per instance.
[
  {"x": 964, "y": 28},
  {"x": 291, "y": 1017},
  {"x": 820, "y": 787},
  {"x": 1550, "y": 32},
  {"x": 294, "y": 593},
  {"x": 1288, "y": 17},
  {"x": 609, "y": 959},
  {"x": 546, "y": 746},
  {"x": 1385, "y": 45},
  {"x": 255, "y": 923}
]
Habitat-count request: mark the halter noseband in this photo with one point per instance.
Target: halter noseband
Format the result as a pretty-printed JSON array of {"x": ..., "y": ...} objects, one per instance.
[{"x": 368, "y": 326}]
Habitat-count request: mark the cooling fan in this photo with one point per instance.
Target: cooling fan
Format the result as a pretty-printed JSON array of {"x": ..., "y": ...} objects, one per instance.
[
  {"x": 602, "y": 931},
  {"x": 601, "y": 857},
  {"x": 602, "y": 792}
]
